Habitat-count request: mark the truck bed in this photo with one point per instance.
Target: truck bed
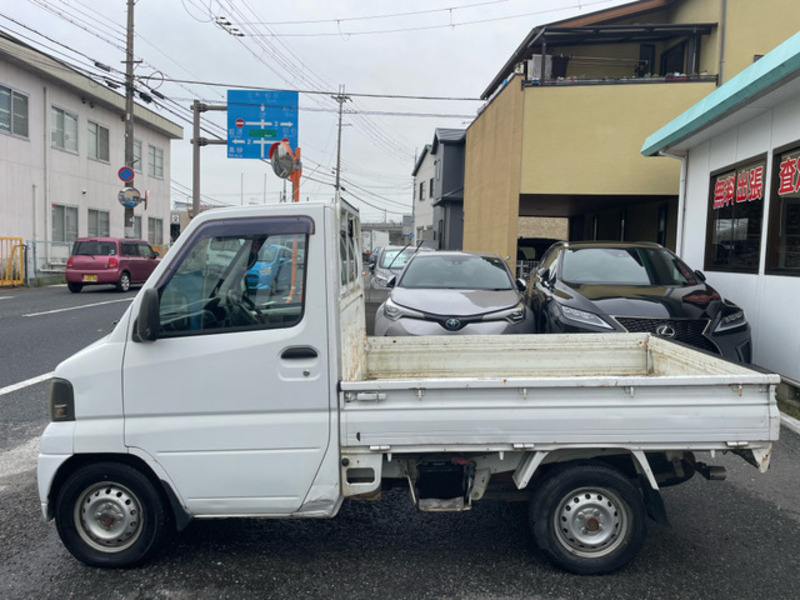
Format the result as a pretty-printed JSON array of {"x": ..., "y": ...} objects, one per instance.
[{"x": 496, "y": 393}]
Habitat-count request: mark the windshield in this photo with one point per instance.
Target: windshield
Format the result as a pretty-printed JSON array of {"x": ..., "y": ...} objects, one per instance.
[
  {"x": 94, "y": 248},
  {"x": 464, "y": 271},
  {"x": 396, "y": 258},
  {"x": 625, "y": 266},
  {"x": 268, "y": 253}
]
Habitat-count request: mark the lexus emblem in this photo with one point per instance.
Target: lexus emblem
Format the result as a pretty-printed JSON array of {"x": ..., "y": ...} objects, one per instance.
[
  {"x": 452, "y": 324},
  {"x": 665, "y": 331}
]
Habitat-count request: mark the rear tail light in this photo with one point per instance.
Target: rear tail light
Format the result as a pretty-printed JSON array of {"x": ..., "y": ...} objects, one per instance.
[
  {"x": 113, "y": 263},
  {"x": 69, "y": 262}
]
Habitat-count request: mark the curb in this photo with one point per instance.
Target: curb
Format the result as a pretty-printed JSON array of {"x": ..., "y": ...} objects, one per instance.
[{"x": 790, "y": 423}]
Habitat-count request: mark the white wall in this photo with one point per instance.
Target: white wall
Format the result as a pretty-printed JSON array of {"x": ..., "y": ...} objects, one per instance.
[
  {"x": 770, "y": 302},
  {"x": 33, "y": 175},
  {"x": 423, "y": 209}
]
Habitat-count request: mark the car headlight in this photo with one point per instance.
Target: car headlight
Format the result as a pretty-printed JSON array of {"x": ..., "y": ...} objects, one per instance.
[
  {"x": 512, "y": 315},
  {"x": 394, "y": 311},
  {"x": 582, "y": 316},
  {"x": 731, "y": 321},
  {"x": 265, "y": 271},
  {"x": 381, "y": 279},
  {"x": 61, "y": 400}
]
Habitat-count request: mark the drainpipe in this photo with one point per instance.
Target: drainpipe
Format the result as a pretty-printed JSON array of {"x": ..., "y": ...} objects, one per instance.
[
  {"x": 681, "y": 201},
  {"x": 46, "y": 135},
  {"x": 722, "y": 30}
]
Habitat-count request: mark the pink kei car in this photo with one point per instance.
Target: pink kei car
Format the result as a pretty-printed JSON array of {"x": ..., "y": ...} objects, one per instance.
[{"x": 114, "y": 261}]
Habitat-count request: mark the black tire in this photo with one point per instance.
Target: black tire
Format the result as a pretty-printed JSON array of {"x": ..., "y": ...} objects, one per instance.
[
  {"x": 110, "y": 515},
  {"x": 124, "y": 283},
  {"x": 74, "y": 287},
  {"x": 588, "y": 519}
]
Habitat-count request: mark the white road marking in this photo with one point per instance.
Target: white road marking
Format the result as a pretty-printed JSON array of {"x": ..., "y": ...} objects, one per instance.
[
  {"x": 59, "y": 310},
  {"x": 20, "y": 459},
  {"x": 23, "y": 384}
]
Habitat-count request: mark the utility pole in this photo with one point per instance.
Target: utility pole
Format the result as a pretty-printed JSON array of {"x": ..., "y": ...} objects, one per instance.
[
  {"x": 341, "y": 99},
  {"x": 198, "y": 142},
  {"x": 129, "y": 114}
]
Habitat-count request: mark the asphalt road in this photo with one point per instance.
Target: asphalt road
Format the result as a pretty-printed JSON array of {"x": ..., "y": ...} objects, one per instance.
[{"x": 737, "y": 539}]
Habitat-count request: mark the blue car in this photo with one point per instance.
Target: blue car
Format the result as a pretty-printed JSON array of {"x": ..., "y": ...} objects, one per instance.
[{"x": 267, "y": 267}]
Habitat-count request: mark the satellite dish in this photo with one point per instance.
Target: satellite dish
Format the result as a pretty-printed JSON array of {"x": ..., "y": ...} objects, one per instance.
[{"x": 282, "y": 161}]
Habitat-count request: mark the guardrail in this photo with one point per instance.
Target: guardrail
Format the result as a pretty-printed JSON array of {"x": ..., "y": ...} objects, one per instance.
[{"x": 12, "y": 261}]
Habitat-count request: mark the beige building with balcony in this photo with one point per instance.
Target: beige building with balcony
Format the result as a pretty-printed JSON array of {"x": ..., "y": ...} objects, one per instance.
[{"x": 566, "y": 116}]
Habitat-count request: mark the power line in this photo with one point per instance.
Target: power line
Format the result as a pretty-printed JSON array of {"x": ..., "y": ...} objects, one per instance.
[{"x": 374, "y": 17}]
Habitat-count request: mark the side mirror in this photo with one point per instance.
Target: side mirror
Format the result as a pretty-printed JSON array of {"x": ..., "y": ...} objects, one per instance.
[
  {"x": 392, "y": 282},
  {"x": 521, "y": 285},
  {"x": 148, "y": 323},
  {"x": 700, "y": 275},
  {"x": 543, "y": 275},
  {"x": 372, "y": 266}
]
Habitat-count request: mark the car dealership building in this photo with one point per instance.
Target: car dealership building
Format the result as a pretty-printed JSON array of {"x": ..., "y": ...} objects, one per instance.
[{"x": 739, "y": 197}]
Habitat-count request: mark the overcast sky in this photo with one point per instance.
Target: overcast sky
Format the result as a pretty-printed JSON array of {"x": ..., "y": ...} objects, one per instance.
[{"x": 414, "y": 48}]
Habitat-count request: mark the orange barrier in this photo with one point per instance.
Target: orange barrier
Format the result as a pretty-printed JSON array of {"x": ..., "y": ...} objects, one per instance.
[{"x": 12, "y": 261}]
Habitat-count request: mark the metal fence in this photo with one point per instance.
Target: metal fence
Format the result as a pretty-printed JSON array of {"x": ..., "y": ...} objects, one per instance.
[{"x": 12, "y": 261}]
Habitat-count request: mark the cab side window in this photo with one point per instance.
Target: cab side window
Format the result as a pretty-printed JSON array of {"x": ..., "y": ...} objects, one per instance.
[{"x": 234, "y": 281}]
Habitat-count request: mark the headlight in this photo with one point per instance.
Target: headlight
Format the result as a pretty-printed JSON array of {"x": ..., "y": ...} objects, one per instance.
[
  {"x": 582, "y": 316},
  {"x": 381, "y": 279},
  {"x": 512, "y": 315},
  {"x": 731, "y": 321},
  {"x": 61, "y": 401},
  {"x": 395, "y": 311},
  {"x": 265, "y": 271}
]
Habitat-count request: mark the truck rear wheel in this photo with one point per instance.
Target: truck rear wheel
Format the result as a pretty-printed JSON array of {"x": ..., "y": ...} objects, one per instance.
[
  {"x": 110, "y": 515},
  {"x": 588, "y": 519}
]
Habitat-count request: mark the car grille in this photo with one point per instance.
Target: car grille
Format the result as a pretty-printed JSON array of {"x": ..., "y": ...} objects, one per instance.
[{"x": 688, "y": 331}]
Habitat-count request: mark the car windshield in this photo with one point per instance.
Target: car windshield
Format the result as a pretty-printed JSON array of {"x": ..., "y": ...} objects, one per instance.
[
  {"x": 463, "y": 271},
  {"x": 396, "y": 258},
  {"x": 267, "y": 253},
  {"x": 625, "y": 266},
  {"x": 94, "y": 248}
]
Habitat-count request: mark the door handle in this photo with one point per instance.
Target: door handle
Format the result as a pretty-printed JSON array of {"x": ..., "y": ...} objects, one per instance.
[{"x": 297, "y": 352}]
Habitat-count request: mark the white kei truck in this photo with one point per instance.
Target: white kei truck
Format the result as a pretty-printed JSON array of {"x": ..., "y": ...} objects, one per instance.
[{"x": 238, "y": 384}]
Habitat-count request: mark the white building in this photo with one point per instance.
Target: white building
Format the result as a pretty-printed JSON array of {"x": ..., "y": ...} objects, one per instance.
[
  {"x": 739, "y": 206},
  {"x": 423, "y": 173},
  {"x": 62, "y": 140}
]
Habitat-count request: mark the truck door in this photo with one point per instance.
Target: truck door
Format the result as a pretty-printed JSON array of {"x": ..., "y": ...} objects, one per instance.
[{"x": 233, "y": 399}]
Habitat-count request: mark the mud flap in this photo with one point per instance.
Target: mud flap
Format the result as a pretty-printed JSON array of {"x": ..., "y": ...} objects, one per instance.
[{"x": 654, "y": 503}]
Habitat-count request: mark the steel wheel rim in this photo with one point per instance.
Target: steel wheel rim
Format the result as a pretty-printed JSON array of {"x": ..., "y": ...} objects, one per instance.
[
  {"x": 591, "y": 522},
  {"x": 108, "y": 517}
]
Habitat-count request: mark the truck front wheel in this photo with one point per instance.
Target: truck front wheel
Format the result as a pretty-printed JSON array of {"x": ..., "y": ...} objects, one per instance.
[
  {"x": 110, "y": 515},
  {"x": 588, "y": 519}
]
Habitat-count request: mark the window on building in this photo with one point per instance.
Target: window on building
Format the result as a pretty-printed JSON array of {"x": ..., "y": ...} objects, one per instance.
[
  {"x": 421, "y": 191},
  {"x": 155, "y": 231},
  {"x": 430, "y": 188},
  {"x": 736, "y": 213},
  {"x": 64, "y": 222},
  {"x": 137, "y": 227},
  {"x": 137, "y": 156},
  {"x": 98, "y": 142},
  {"x": 13, "y": 112},
  {"x": 155, "y": 162},
  {"x": 783, "y": 242},
  {"x": 64, "y": 130},
  {"x": 98, "y": 223}
]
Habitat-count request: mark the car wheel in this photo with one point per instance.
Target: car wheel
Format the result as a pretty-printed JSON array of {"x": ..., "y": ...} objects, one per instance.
[
  {"x": 124, "y": 283},
  {"x": 74, "y": 287},
  {"x": 588, "y": 519},
  {"x": 110, "y": 515}
]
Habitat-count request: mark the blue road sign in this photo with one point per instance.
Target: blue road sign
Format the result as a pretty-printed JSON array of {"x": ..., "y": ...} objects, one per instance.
[{"x": 258, "y": 119}]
